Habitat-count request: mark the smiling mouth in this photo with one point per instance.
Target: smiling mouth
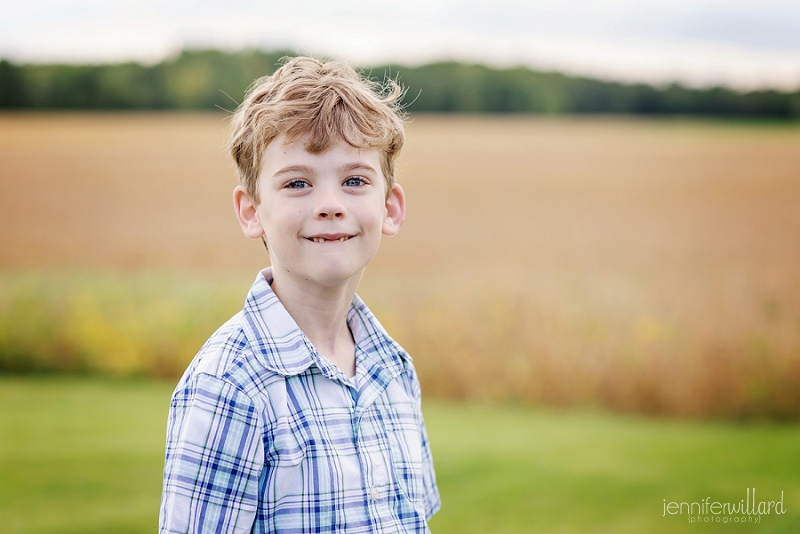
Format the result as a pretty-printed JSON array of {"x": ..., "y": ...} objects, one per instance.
[{"x": 324, "y": 239}]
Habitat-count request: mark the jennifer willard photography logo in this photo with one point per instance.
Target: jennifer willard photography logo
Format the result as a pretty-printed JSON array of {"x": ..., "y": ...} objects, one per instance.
[{"x": 747, "y": 510}]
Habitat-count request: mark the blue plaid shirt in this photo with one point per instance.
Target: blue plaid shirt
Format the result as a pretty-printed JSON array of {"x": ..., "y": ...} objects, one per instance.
[{"x": 267, "y": 435}]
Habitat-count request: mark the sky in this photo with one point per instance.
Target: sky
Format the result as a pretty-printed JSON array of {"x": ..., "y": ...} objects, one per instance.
[{"x": 739, "y": 44}]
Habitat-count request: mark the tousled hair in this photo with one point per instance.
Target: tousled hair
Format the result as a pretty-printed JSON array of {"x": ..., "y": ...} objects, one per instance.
[{"x": 330, "y": 102}]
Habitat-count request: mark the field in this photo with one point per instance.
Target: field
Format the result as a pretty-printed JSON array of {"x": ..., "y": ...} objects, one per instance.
[
  {"x": 84, "y": 455},
  {"x": 621, "y": 268},
  {"x": 648, "y": 266}
]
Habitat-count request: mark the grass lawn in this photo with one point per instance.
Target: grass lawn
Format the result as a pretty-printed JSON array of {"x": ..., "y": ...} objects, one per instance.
[{"x": 85, "y": 455}]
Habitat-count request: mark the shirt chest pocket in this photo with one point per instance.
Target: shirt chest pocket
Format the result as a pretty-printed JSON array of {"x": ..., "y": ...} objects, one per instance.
[
  {"x": 286, "y": 480},
  {"x": 405, "y": 441}
]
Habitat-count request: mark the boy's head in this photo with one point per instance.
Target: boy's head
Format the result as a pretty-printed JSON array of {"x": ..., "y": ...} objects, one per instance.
[
  {"x": 315, "y": 146},
  {"x": 324, "y": 102}
]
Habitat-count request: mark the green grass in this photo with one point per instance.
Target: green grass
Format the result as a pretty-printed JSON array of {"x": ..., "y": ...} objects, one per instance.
[
  {"x": 85, "y": 455},
  {"x": 503, "y": 469},
  {"x": 81, "y": 455}
]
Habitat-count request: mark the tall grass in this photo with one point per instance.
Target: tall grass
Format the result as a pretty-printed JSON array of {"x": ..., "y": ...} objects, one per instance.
[
  {"x": 146, "y": 324},
  {"x": 559, "y": 340},
  {"x": 468, "y": 340}
]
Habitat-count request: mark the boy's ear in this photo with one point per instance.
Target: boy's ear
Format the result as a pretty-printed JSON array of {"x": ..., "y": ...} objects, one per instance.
[
  {"x": 395, "y": 210},
  {"x": 246, "y": 213}
]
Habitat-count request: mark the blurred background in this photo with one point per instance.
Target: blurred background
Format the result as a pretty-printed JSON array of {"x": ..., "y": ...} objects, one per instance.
[{"x": 598, "y": 278}]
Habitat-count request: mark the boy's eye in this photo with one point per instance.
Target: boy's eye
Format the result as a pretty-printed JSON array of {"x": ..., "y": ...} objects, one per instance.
[
  {"x": 296, "y": 184},
  {"x": 354, "y": 181}
]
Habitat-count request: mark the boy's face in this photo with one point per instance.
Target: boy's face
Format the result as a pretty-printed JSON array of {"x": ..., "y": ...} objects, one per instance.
[{"x": 322, "y": 215}]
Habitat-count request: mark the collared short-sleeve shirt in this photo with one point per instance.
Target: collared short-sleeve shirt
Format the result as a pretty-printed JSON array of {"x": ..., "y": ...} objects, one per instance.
[{"x": 267, "y": 435}]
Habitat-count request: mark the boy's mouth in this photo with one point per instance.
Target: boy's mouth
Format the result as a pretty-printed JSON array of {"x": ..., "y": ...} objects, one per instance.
[{"x": 323, "y": 239}]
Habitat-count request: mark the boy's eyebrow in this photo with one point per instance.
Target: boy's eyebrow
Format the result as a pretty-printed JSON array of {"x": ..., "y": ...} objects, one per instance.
[
  {"x": 357, "y": 166},
  {"x": 294, "y": 168}
]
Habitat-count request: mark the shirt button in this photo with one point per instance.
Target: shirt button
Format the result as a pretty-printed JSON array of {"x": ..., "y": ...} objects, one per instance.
[{"x": 375, "y": 493}]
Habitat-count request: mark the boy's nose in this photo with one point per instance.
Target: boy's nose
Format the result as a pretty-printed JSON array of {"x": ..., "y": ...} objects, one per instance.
[{"x": 329, "y": 206}]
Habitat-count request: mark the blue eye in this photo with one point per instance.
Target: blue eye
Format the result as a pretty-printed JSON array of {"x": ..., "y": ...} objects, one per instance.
[
  {"x": 296, "y": 184},
  {"x": 354, "y": 181}
]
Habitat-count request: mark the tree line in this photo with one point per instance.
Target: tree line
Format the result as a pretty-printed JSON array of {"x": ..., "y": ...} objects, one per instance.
[{"x": 210, "y": 79}]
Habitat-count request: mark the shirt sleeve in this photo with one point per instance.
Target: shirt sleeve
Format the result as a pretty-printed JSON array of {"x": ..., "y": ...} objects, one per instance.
[
  {"x": 213, "y": 461},
  {"x": 431, "y": 492},
  {"x": 431, "y": 498}
]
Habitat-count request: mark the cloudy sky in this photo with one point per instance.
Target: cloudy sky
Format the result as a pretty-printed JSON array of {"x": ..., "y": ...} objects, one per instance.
[{"x": 743, "y": 44}]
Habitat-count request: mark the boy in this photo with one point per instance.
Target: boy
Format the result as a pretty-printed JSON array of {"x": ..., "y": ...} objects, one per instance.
[{"x": 300, "y": 414}]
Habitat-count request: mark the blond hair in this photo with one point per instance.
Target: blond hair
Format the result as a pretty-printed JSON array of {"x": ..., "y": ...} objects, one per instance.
[{"x": 330, "y": 102}]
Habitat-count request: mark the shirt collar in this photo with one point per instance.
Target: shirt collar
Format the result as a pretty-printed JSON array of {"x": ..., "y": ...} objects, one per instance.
[{"x": 282, "y": 347}]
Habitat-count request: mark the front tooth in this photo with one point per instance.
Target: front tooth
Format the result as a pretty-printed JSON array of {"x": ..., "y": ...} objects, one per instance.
[
  {"x": 318, "y": 239},
  {"x": 342, "y": 238}
]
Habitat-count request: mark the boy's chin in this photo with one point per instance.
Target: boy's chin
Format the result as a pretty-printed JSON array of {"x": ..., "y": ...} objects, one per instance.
[{"x": 333, "y": 276}]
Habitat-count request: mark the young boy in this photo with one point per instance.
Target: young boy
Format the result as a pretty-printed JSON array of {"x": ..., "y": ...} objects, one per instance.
[{"x": 300, "y": 414}]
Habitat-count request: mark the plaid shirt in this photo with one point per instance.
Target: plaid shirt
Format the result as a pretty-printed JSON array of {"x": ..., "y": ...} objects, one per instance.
[{"x": 267, "y": 435}]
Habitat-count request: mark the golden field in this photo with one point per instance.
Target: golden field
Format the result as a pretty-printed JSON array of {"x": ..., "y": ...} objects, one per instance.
[{"x": 639, "y": 265}]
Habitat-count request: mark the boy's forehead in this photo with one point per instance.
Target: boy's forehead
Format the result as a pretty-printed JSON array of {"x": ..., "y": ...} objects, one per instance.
[
  {"x": 303, "y": 141},
  {"x": 283, "y": 148}
]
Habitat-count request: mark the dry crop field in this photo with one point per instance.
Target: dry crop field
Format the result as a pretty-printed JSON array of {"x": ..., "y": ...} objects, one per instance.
[{"x": 641, "y": 265}]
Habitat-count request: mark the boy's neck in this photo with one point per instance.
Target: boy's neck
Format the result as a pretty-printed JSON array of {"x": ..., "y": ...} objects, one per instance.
[{"x": 321, "y": 313}]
